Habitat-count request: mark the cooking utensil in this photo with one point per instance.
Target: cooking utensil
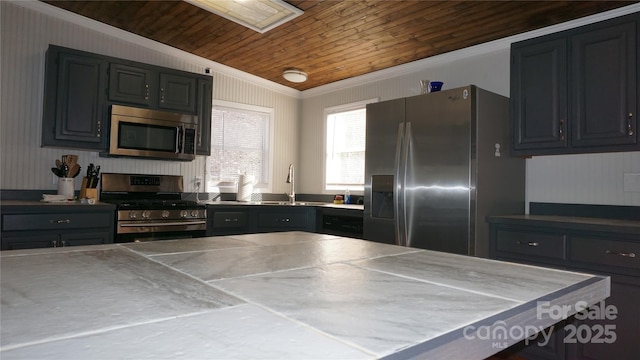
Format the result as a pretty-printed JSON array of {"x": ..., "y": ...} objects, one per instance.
[
  {"x": 71, "y": 160},
  {"x": 74, "y": 171},
  {"x": 56, "y": 171},
  {"x": 59, "y": 164}
]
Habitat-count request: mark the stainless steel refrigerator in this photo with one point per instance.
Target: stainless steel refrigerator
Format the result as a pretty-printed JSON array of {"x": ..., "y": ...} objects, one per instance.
[{"x": 436, "y": 166}]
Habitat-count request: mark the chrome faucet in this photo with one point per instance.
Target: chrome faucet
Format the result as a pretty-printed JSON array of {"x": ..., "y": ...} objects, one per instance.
[{"x": 290, "y": 180}]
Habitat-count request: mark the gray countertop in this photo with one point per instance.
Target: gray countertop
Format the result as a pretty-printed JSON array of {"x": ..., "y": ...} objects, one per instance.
[
  {"x": 570, "y": 222},
  {"x": 290, "y": 295}
]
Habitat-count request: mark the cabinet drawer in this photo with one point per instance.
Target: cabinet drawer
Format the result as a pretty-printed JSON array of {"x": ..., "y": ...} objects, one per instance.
[
  {"x": 531, "y": 243},
  {"x": 17, "y": 222},
  {"x": 283, "y": 220},
  {"x": 230, "y": 219},
  {"x": 605, "y": 253}
]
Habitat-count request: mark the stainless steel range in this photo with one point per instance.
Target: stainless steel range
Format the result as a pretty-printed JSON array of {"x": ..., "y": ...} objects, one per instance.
[{"x": 150, "y": 207}]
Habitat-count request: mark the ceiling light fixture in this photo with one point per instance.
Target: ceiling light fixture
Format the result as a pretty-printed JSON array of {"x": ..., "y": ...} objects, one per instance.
[
  {"x": 295, "y": 75},
  {"x": 258, "y": 15}
]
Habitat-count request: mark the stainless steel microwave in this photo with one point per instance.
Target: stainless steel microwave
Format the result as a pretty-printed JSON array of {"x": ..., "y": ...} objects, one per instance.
[{"x": 152, "y": 134}]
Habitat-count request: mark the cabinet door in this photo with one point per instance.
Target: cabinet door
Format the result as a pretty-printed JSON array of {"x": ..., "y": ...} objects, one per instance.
[
  {"x": 275, "y": 218},
  {"x": 594, "y": 338},
  {"x": 29, "y": 241},
  {"x": 205, "y": 92},
  {"x": 74, "y": 110},
  {"x": 130, "y": 84},
  {"x": 228, "y": 221},
  {"x": 177, "y": 93},
  {"x": 83, "y": 238},
  {"x": 539, "y": 95},
  {"x": 604, "y": 92}
]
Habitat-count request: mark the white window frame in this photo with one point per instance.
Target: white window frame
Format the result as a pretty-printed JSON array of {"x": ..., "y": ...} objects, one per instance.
[
  {"x": 358, "y": 190},
  {"x": 260, "y": 187}
]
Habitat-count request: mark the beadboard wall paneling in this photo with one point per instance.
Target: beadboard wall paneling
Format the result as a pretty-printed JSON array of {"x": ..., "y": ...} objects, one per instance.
[
  {"x": 583, "y": 178},
  {"x": 25, "y": 36}
]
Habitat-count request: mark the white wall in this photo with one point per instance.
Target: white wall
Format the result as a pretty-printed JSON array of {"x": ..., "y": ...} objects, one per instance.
[
  {"x": 26, "y": 30},
  {"x": 587, "y": 179}
]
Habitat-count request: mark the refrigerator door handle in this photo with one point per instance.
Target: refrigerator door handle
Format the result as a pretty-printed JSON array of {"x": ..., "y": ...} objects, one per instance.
[
  {"x": 399, "y": 166},
  {"x": 402, "y": 198}
]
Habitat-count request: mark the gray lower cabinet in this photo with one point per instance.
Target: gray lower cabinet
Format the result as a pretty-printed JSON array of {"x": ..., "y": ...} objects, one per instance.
[
  {"x": 250, "y": 219},
  {"x": 53, "y": 227},
  {"x": 285, "y": 218},
  {"x": 231, "y": 220},
  {"x": 604, "y": 252}
]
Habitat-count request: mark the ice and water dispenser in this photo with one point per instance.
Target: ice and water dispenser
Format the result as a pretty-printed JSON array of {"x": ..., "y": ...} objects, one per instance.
[{"x": 382, "y": 205}]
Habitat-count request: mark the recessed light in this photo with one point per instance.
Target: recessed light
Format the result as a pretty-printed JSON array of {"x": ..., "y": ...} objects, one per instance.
[
  {"x": 295, "y": 75},
  {"x": 258, "y": 15}
]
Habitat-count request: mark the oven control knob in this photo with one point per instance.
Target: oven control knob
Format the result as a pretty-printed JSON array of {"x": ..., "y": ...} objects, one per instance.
[
  {"x": 194, "y": 213},
  {"x": 146, "y": 214},
  {"x": 165, "y": 214},
  {"x": 132, "y": 215},
  {"x": 183, "y": 214}
]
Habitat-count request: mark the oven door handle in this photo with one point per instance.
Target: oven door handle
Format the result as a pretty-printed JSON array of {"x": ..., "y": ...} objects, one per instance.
[{"x": 176, "y": 223}]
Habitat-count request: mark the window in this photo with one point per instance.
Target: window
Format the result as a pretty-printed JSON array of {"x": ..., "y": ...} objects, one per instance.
[
  {"x": 240, "y": 144},
  {"x": 345, "y": 146}
]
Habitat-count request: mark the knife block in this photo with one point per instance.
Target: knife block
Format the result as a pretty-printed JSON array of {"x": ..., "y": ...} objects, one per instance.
[{"x": 88, "y": 193}]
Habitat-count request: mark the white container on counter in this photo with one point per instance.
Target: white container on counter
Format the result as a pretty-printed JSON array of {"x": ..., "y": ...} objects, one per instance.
[{"x": 66, "y": 186}]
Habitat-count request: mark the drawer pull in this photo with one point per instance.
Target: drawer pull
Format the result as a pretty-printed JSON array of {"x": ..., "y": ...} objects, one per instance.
[
  {"x": 285, "y": 220},
  {"x": 530, "y": 243},
  {"x": 231, "y": 220},
  {"x": 625, "y": 254},
  {"x": 65, "y": 221}
]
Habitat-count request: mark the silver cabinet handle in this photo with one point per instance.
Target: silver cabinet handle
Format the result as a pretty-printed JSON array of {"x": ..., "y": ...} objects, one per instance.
[
  {"x": 530, "y": 243},
  {"x": 629, "y": 128},
  {"x": 561, "y": 129},
  {"x": 146, "y": 94},
  {"x": 624, "y": 254},
  {"x": 231, "y": 220},
  {"x": 65, "y": 221}
]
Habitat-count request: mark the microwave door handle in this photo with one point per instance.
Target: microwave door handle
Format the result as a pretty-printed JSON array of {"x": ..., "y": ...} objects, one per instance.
[{"x": 179, "y": 134}]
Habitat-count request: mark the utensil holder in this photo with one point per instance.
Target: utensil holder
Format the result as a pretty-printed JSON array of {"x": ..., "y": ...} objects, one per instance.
[
  {"x": 66, "y": 186},
  {"x": 88, "y": 193}
]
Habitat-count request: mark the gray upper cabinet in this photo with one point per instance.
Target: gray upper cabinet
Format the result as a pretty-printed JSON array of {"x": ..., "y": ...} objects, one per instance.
[
  {"x": 130, "y": 84},
  {"x": 80, "y": 88},
  {"x": 74, "y": 106},
  {"x": 150, "y": 88},
  {"x": 177, "y": 92},
  {"x": 604, "y": 88},
  {"x": 576, "y": 91},
  {"x": 205, "y": 98},
  {"x": 539, "y": 107}
]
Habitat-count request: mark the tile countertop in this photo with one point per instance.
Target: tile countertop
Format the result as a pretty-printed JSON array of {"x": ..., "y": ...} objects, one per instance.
[{"x": 275, "y": 295}]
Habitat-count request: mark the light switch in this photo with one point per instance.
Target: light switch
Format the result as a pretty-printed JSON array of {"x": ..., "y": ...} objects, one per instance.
[{"x": 632, "y": 182}]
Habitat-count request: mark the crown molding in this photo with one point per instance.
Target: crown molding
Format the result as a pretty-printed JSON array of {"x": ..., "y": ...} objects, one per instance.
[
  {"x": 109, "y": 30},
  {"x": 480, "y": 49}
]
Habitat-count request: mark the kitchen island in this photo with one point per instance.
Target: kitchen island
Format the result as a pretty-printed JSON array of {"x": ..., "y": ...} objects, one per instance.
[{"x": 275, "y": 295}]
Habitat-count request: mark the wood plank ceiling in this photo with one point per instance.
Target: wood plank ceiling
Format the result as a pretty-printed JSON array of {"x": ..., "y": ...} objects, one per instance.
[{"x": 335, "y": 40}]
